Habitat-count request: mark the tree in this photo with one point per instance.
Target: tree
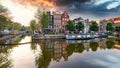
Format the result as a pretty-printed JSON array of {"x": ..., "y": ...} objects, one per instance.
[
  {"x": 6, "y": 22},
  {"x": 94, "y": 26},
  {"x": 3, "y": 20},
  {"x": 3, "y": 9},
  {"x": 70, "y": 49},
  {"x": 110, "y": 44},
  {"x": 94, "y": 46},
  {"x": 70, "y": 26},
  {"x": 80, "y": 26},
  {"x": 32, "y": 25},
  {"x": 80, "y": 47},
  {"x": 23, "y": 28},
  {"x": 109, "y": 26},
  {"x": 117, "y": 28},
  {"x": 43, "y": 19}
]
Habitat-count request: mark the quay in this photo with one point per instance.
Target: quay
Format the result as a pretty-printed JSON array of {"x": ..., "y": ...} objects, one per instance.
[
  {"x": 9, "y": 39},
  {"x": 68, "y": 37},
  {"x": 42, "y": 37}
]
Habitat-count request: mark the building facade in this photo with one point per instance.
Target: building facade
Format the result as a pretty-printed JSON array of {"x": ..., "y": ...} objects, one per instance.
[
  {"x": 64, "y": 19},
  {"x": 57, "y": 22},
  {"x": 115, "y": 21},
  {"x": 85, "y": 22},
  {"x": 102, "y": 26},
  {"x": 86, "y": 26},
  {"x": 57, "y": 26}
]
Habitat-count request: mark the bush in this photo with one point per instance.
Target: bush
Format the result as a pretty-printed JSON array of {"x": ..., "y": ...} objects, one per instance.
[{"x": 111, "y": 33}]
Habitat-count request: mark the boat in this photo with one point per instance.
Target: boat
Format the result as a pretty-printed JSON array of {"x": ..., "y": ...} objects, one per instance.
[{"x": 79, "y": 36}]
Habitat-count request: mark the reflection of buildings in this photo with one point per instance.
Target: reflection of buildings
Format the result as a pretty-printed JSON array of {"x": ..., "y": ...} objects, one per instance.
[
  {"x": 117, "y": 47},
  {"x": 102, "y": 43},
  {"x": 56, "y": 49}
]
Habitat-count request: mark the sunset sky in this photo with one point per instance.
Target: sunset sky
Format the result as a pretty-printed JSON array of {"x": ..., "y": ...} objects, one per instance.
[{"x": 23, "y": 11}]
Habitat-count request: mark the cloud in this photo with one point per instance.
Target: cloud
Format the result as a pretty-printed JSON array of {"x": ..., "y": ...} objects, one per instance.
[
  {"x": 87, "y": 8},
  {"x": 99, "y": 9},
  {"x": 113, "y": 5},
  {"x": 99, "y": 2}
]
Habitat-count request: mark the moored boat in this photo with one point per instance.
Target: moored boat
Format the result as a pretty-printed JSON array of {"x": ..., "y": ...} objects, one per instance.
[{"x": 79, "y": 36}]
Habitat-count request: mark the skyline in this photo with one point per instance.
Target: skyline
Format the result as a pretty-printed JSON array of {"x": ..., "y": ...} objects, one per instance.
[{"x": 23, "y": 11}]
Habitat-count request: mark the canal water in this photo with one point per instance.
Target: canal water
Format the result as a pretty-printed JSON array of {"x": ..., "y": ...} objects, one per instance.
[{"x": 94, "y": 53}]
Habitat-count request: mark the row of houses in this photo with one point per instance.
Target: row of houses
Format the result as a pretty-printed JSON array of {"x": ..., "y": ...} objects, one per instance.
[
  {"x": 58, "y": 21},
  {"x": 86, "y": 23},
  {"x": 102, "y": 23},
  {"x": 115, "y": 22}
]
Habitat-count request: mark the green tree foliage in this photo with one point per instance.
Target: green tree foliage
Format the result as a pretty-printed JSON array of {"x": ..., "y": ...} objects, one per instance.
[
  {"x": 32, "y": 25},
  {"x": 6, "y": 23},
  {"x": 23, "y": 28},
  {"x": 80, "y": 47},
  {"x": 5, "y": 60},
  {"x": 109, "y": 26},
  {"x": 70, "y": 49},
  {"x": 94, "y": 46},
  {"x": 94, "y": 26},
  {"x": 119, "y": 28},
  {"x": 3, "y": 21},
  {"x": 43, "y": 61},
  {"x": 110, "y": 44},
  {"x": 43, "y": 19},
  {"x": 3, "y": 9},
  {"x": 70, "y": 26},
  {"x": 80, "y": 26}
]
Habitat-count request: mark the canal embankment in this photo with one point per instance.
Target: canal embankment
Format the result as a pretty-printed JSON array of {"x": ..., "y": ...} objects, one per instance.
[
  {"x": 43, "y": 37},
  {"x": 10, "y": 39},
  {"x": 68, "y": 37}
]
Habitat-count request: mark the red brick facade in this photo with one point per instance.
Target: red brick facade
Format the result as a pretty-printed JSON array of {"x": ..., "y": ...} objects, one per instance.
[{"x": 64, "y": 19}]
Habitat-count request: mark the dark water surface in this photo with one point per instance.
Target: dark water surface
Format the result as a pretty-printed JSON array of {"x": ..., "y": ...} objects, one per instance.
[{"x": 94, "y": 53}]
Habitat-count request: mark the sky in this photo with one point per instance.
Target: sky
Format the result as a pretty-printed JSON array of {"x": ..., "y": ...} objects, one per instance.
[{"x": 24, "y": 10}]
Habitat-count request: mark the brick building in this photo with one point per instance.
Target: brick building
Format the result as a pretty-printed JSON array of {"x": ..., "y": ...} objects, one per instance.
[
  {"x": 64, "y": 19},
  {"x": 57, "y": 22}
]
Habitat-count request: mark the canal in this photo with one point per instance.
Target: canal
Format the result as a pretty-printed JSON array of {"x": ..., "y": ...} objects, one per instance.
[{"x": 94, "y": 53}]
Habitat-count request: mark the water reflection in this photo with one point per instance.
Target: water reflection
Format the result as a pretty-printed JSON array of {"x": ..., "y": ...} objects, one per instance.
[
  {"x": 5, "y": 52},
  {"x": 5, "y": 61},
  {"x": 58, "y": 53},
  {"x": 55, "y": 50}
]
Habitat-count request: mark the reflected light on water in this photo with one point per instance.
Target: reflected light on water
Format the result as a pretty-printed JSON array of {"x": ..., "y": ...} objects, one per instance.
[
  {"x": 100, "y": 53},
  {"x": 23, "y": 56},
  {"x": 26, "y": 39}
]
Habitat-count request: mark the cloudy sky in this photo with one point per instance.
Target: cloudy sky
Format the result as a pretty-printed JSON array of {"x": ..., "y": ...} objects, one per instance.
[{"x": 23, "y": 10}]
